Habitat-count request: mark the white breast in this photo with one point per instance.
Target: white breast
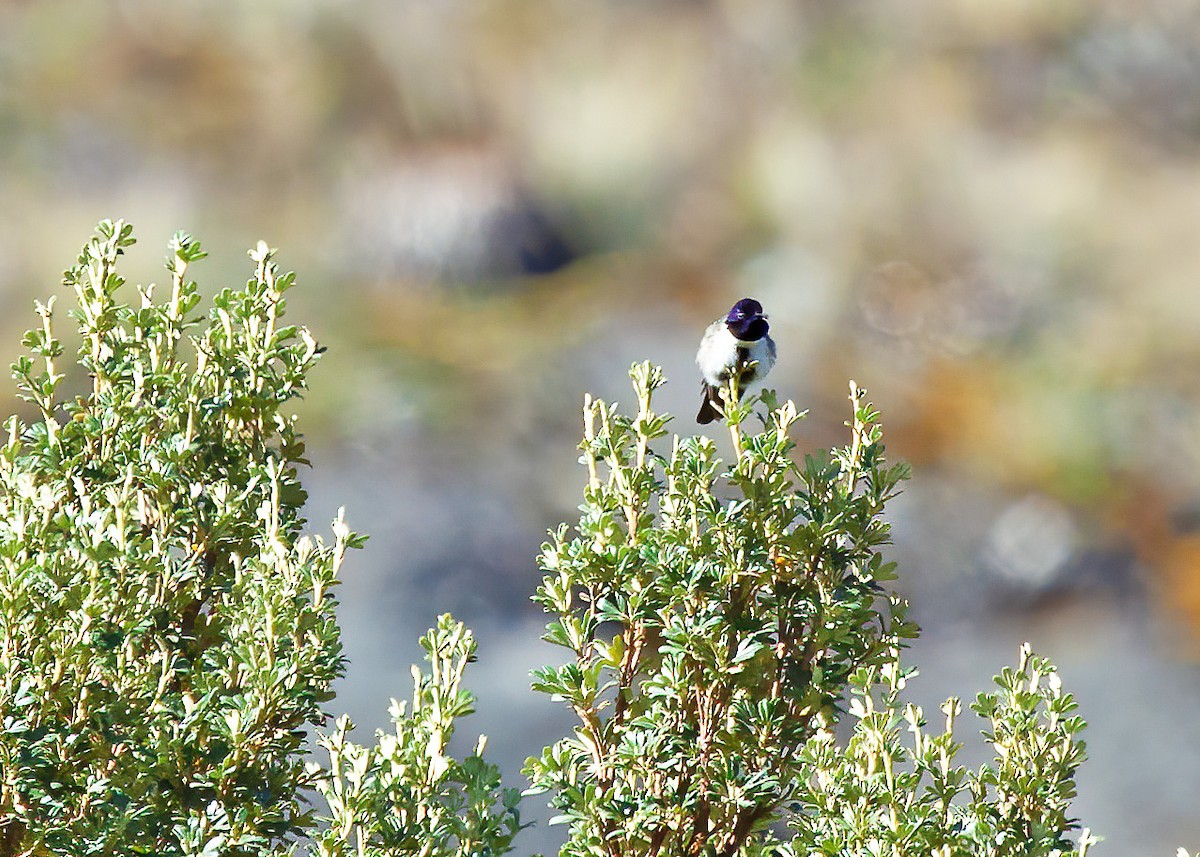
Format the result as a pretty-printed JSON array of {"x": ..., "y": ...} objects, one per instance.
[
  {"x": 718, "y": 354},
  {"x": 718, "y": 350},
  {"x": 762, "y": 352}
]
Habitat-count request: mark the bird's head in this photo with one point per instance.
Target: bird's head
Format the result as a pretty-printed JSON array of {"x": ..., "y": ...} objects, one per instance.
[{"x": 746, "y": 320}]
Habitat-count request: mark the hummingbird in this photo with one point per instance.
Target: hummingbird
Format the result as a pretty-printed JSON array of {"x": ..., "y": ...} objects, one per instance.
[{"x": 736, "y": 345}]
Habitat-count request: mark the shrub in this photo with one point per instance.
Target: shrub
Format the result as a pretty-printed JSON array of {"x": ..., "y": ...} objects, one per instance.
[
  {"x": 719, "y": 620},
  {"x": 168, "y": 633},
  {"x": 405, "y": 795},
  {"x": 168, "y": 636}
]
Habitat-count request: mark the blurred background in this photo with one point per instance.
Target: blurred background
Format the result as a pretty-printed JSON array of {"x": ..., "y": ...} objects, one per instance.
[{"x": 988, "y": 214}]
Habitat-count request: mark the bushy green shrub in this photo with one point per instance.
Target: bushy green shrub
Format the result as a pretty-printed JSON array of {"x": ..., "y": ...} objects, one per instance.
[
  {"x": 720, "y": 619},
  {"x": 168, "y": 633},
  {"x": 405, "y": 795},
  {"x": 168, "y": 636}
]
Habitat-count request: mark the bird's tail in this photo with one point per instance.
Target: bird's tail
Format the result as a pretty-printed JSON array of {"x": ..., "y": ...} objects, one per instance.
[{"x": 711, "y": 406}]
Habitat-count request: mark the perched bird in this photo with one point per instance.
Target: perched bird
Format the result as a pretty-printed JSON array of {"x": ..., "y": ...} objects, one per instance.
[{"x": 737, "y": 344}]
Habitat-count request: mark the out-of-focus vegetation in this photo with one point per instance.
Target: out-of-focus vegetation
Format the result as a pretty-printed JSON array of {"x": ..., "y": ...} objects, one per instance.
[{"x": 985, "y": 213}]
